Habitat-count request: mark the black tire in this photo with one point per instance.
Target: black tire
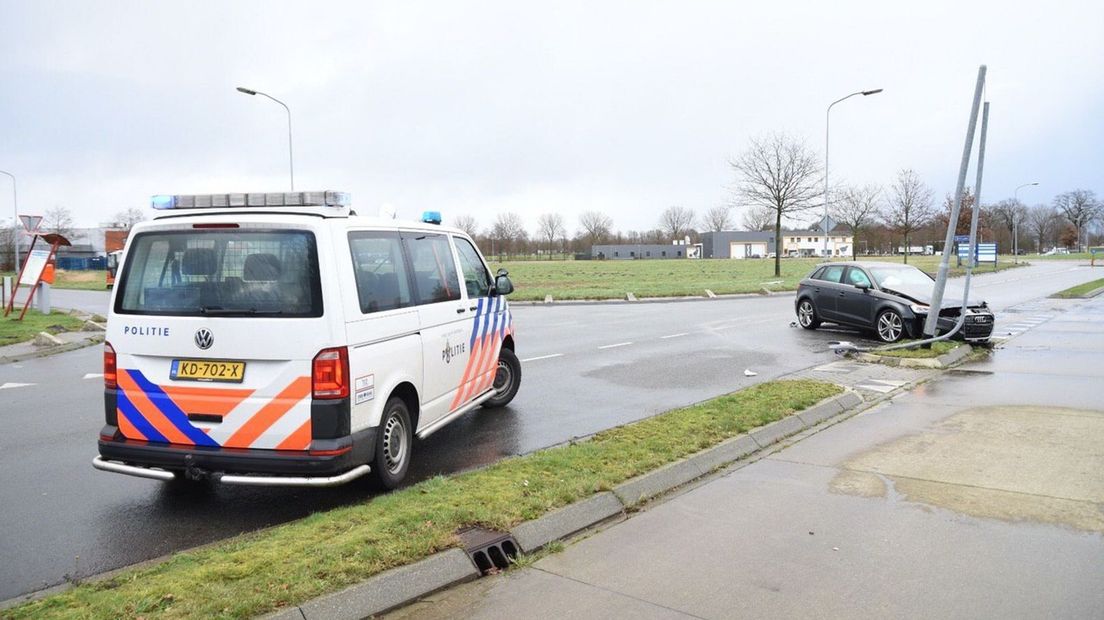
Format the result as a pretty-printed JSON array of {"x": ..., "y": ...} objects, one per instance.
[
  {"x": 807, "y": 314},
  {"x": 507, "y": 380},
  {"x": 889, "y": 326},
  {"x": 394, "y": 445}
]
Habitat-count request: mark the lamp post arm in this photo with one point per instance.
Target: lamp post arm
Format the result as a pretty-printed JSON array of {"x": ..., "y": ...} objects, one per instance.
[{"x": 827, "y": 126}]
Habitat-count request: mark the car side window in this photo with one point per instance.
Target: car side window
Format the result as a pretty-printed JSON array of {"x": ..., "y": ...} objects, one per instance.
[
  {"x": 435, "y": 276},
  {"x": 858, "y": 277},
  {"x": 832, "y": 273},
  {"x": 476, "y": 279},
  {"x": 382, "y": 278}
]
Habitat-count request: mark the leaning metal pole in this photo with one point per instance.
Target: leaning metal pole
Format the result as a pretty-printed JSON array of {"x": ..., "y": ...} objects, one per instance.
[
  {"x": 977, "y": 209},
  {"x": 944, "y": 264}
]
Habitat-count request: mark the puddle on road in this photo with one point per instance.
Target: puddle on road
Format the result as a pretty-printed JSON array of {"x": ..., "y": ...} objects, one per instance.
[{"x": 1035, "y": 464}]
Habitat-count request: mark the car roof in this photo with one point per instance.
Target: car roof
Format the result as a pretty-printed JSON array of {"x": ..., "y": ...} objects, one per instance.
[{"x": 855, "y": 263}]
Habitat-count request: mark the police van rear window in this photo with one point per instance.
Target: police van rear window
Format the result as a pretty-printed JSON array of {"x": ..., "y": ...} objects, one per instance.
[{"x": 230, "y": 272}]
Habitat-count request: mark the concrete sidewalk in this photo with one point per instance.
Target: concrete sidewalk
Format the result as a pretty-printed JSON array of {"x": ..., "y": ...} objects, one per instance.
[{"x": 976, "y": 495}]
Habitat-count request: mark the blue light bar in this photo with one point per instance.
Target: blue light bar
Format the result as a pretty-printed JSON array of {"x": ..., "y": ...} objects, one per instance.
[
  {"x": 431, "y": 217},
  {"x": 252, "y": 199}
]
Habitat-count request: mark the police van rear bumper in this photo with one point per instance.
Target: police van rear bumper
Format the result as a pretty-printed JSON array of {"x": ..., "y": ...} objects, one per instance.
[{"x": 330, "y": 464}]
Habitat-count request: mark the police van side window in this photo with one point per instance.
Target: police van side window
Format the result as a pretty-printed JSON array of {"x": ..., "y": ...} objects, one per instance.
[
  {"x": 382, "y": 277},
  {"x": 476, "y": 279},
  {"x": 434, "y": 270}
]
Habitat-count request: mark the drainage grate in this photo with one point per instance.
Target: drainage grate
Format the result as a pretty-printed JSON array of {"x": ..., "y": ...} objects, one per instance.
[{"x": 490, "y": 550}]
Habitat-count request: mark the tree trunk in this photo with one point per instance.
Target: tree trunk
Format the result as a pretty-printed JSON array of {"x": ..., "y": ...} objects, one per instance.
[
  {"x": 906, "y": 248},
  {"x": 778, "y": 243}
]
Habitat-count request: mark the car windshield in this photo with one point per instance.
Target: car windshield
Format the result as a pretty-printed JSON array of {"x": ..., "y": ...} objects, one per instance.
[
  {"x": 904, "y": 279},
  {"x": 218, "y": 272}
]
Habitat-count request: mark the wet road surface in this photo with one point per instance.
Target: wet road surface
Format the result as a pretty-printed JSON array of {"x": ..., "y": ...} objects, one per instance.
[{"x": 586, "y": 368}]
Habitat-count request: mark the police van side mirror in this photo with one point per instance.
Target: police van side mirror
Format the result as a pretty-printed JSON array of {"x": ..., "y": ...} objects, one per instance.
[{"x": 503, "y": 285}]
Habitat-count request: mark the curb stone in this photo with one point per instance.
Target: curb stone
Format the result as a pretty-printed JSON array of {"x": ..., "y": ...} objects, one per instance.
[
  {"x": 533, "y": 535},
  {"x": 638, "y": 490},
  {"x": 728, "y": 451},
  {"x": 944, "y": 361},
  {"x": 388, "y": 589},
  {"x": 777, "y": 431}
]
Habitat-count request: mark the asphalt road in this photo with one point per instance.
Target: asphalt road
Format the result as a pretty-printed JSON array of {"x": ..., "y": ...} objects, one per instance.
[{"x": 586, "y": 368}]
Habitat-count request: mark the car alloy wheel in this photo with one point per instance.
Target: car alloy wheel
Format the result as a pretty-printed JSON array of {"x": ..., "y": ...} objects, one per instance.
[
  {"x": 890, "y": 326},
  {"x": 806, "y": 315}
]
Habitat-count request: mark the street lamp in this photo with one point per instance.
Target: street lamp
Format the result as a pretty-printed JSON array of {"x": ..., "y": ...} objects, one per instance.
[
  {"x": 15, "y": 222},
  {"x": 291, "y": 159},
  {"x": 1016, "y": 223},
  {"x": 827, "y": 120}
]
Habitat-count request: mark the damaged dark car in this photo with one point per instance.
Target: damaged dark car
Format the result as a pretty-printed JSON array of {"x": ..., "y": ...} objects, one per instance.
[{"x": 891, "y": 299}]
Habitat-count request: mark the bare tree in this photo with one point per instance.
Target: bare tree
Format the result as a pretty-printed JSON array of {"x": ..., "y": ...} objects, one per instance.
[
  {"x": 759, "y": 218},
  {"x": 597, "y": 226},
  {"x": 911, "y": 206},
  {"x": 857, "y": 208},
  {"x": 58, "y": 220},
  {"x": 718, "y": 218},
  {"x": 467, "y": 223},
  {"x": 676, "y": 221},
  {"x": 508, "y": 232},
  {"x": 1079, "y": 207},
  {"x": 128, "y": 218},
  {"x": 1006, "y": 214},
  {"x": 779, "y": 173},
  {"x": 550, "y": 226},
  {"x": 8, "y": 235},
  {"x": 1042, "y": 223}
]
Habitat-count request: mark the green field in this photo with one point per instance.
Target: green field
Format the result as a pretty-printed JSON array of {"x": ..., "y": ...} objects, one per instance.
[
  {"x": 88, "y": 280},
  {"x": 13, "y": 331},
  {"x": 612, "y": 279}
]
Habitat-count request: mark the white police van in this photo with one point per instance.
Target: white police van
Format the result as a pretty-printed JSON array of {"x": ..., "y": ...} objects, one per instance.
[{"x": 279, "y": 339}]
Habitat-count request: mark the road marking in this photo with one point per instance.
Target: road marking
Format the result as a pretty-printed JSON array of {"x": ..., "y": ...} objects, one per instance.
[
  {"x": 15, "y": 385},
  {"x": 542, "y": 357},
  {"x": 93, "y": 375},
  {"x": 614, "y": 346},
  {"x": 883, "y": 389},
  {"x": 674, "y": 336}
]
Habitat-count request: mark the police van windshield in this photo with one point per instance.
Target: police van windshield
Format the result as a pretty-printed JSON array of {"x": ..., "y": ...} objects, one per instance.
[{"x": 227, "y": 272}]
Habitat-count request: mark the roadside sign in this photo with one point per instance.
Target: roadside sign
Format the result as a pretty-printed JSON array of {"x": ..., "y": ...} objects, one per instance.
[
  {"x": 962, "y": 238},
  {"x": 30, "y": 222},
  {"x": 32, "y": 268}
]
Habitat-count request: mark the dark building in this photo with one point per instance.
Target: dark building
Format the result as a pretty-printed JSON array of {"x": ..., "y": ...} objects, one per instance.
[
  {"x": 737, "y": 244},
  {"x": 632, "y": 251}
]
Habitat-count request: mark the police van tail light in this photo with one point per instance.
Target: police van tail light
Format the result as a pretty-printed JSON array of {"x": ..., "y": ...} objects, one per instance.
[
  {"x": 330, "y": 373},
  {"x": 109, "y": 372}
]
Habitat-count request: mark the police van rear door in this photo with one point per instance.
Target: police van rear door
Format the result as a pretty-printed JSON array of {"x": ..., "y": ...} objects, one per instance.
[{"x": 215, "y": 325}]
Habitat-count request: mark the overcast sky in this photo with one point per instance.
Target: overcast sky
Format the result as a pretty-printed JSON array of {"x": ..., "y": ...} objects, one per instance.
[{"x": 486, "y": 107}]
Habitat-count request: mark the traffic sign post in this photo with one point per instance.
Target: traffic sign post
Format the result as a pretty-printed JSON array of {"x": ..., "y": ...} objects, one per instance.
[{"x": 30, "y": 222}]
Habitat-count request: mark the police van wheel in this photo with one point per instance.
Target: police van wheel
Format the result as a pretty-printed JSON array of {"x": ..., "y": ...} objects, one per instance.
[
  {"x": 394, "y": 443},
  {"x": 507, "y": 380}
]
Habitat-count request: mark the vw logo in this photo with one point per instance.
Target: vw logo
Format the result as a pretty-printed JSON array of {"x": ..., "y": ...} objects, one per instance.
[{"x": 204, "y": 338}]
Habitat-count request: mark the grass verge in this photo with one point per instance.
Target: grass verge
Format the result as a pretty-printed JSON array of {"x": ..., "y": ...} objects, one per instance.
[
  {"x": 937, "y": 349},
  {"x": 612, "y": 279},
  {"x": 1081, "y": 290},
  {"x": 85, "y": 280},
  {"x": 13, "y": 331},
  {"x": 292, "y": 563}
]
